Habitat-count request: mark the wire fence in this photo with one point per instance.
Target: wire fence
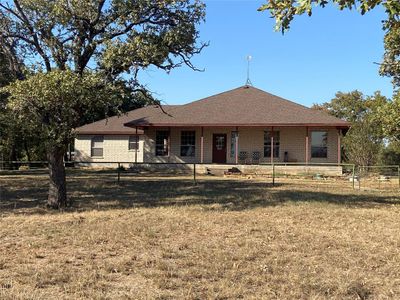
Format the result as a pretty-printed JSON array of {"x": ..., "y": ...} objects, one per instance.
[
  {"x": 24, "y": 185},
  {"x": 345, "y": 175},
  {"x": 378, "y": 177}
]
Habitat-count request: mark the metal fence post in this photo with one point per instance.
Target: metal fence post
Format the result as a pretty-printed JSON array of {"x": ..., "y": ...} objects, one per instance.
[
  {"x": 118, "y": 171},
  {"x": 194, "y": 174},
  {"x": 273, "y": 174},
  {"x": 354, "y": 175},
  {"x": 398, "y": 174},
  {"x": 359, "y": 177}
]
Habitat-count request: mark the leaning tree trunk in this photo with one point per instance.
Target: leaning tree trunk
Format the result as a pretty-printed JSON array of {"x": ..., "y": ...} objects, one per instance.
[{"x": 58, "y": 188}]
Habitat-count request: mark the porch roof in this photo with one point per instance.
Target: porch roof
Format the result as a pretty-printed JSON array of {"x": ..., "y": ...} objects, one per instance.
[{"x": 243, "y": 106}]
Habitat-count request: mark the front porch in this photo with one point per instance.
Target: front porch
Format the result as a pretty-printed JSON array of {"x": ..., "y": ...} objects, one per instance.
[{"x": 242, "y": 145}]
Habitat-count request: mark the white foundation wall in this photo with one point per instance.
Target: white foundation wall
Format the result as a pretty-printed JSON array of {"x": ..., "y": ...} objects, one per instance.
[{"x": 115, "y": 149}]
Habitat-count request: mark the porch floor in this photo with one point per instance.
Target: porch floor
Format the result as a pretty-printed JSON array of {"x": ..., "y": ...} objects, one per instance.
[{"x": 219, "y": 169}]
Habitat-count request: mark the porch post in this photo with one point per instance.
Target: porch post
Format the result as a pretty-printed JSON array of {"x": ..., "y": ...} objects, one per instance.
[
  {"x": 307, "y": 143},
  {"x": 339, "y": 150},
  {"x": 202, "y": 146},
  {"x": 137, "y": 144},
  {"x": 169, "y": 143},
  {"x": 272, "y": 144},
  {"x": 237, "y": 146}
]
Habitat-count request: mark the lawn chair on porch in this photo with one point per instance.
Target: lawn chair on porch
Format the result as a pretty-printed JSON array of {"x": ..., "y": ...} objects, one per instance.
[
  {"x": 243, "y": 157},
  {"x": 255, "y": 157}
]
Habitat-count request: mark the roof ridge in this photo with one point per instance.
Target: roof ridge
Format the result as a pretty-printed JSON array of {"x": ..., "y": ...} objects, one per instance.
[
  {"x": 321, "y": 113},
  {"x": 218, "y": 94}
]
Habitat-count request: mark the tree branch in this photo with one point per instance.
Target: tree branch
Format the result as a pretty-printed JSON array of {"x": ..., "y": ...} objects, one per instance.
[{"x": 39, "y": 49}]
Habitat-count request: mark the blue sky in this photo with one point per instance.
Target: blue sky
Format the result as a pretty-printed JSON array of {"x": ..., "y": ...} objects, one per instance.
[{"x": 329, "y": 52}]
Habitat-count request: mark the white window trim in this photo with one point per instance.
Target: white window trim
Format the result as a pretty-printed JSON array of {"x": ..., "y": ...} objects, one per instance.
[
  {"x": 138, "y": 143},
  {"x": 91, "y": 148}
]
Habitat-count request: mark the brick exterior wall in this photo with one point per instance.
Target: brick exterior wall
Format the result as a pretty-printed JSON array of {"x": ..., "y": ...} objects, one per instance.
[
  {"x": 292, "y": 141},
  {"x": 115, "y": 149}
]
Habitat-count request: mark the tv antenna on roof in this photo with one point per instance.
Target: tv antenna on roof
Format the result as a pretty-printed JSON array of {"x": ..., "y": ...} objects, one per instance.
[{"x": 248, "y": 81}]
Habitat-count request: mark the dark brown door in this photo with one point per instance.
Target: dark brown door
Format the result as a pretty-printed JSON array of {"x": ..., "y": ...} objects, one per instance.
[{"x": 219, "y": 148}]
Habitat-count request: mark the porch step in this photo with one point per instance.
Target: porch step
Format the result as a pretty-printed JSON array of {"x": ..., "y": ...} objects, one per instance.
[{"x": 214, "y": 171}]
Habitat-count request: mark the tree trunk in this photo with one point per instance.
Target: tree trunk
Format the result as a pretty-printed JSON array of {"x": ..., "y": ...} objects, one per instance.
[
  {"x": 28, "y": 155},
  {"x": 13, "y": 156},
  {"x": 58, "y": 188}
]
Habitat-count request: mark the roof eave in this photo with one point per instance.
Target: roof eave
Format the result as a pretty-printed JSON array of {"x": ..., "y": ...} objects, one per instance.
[
  {"x": 141, "y": 125},
  {"x": 99, "y": 132}
]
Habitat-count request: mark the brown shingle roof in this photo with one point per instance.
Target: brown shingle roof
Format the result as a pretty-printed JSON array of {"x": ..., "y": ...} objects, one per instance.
[
  {"x": 112, "y": 125},
  {"x": 243, "y": 106},
  {"x": 115, "y": 125}
]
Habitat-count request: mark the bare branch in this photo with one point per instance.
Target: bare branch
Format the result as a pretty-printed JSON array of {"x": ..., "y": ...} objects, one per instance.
[{"x": 34, "y": 36}]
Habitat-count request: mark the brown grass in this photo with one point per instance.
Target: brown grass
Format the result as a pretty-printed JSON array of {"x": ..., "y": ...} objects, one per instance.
[{"x": 163, "y": 238}]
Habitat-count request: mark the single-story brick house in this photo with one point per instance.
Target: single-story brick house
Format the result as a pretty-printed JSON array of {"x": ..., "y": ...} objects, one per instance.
[{"x": 241, "y": 126}]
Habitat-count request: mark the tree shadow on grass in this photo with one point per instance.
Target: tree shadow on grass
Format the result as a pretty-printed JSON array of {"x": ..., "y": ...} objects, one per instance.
[
  {"x": 103, "y": 193},
  {"x": 230, "y": 194}
]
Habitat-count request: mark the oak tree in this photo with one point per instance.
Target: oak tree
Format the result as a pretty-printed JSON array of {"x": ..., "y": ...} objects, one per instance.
[{"x": 77, "y": 52}]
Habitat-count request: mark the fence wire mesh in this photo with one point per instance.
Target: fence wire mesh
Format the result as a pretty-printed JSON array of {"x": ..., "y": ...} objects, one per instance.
[
  {"x": 20, "y": 179},
  {"x": 378, "y": 177},
  {"x": 125, "y": 184}
]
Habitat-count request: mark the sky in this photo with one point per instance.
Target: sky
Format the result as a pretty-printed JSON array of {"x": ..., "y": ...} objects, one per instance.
[{"x": 320, "y": 55}]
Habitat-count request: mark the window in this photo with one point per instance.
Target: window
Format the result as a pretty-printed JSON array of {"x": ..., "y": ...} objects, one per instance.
[
  {"x": 267, "y": 143},
  {"x": 220, "y": 142},
  {"x": 188, "y": 143},
  {"x": 234, "y": 134},
  {"x": 319, "y": 144},
  {"x": 133, "y": 142},
  {"x": 162, "y": 137},
  {"x": 97, "y": 146}
]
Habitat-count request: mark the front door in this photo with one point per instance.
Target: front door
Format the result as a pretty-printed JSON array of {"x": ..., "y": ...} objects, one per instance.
[{"x": 219, "y": 148}]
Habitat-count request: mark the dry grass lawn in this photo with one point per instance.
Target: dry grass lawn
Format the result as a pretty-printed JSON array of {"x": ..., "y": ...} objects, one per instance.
[{"x": 163, "y": 238}]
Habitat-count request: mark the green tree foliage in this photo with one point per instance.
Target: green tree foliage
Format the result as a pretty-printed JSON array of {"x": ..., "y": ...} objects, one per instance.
[
  {"x": 76, "y": 50},
  {"x": 5, "y": 78},
  {"x": 366, "y": 142},
  {"x": 389, "y": 115},
  {"x": 390, "y": 155},
  {"x": 362, "y": 144},
  {"x": 6, "y": 75},
  {"x": 17, "y": 141},
  {"x": 33, "y": 104},
  {"x": 347, "y": 106},
  {"x": 32, "y": 101},
  {"x": 9, "y": 138},
  {"x": 285, "y": 10}
]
